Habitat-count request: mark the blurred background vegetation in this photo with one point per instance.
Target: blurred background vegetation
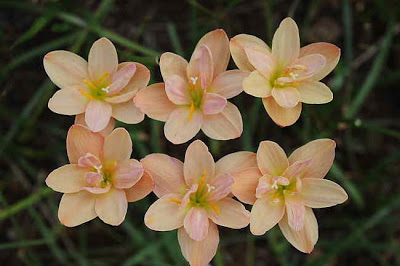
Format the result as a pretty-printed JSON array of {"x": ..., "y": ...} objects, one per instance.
[{"x": 364, "y": 120}]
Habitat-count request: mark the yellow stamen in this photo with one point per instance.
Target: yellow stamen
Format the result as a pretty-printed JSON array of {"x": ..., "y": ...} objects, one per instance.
[
  {"x": 191, "y": 112},
  {"x": 90, "y": 84},
  {"x": 203, "y": 177},
  {"x": 84, "y": 93},
  {"x": 175, "y": 200},
  {"x": 102, "y": 77},
  {"x": 215, "y": 208}
]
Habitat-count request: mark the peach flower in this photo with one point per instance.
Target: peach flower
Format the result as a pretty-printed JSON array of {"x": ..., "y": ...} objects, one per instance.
[
  {"x": 283, "y": 190},
  {"x": 194, "y": 198},
  {"x": 194, "y": 95},
  {"x": 101, "y": 179},
  {"x": 285, "y": 76},
  {"x": 100, "y": 88}
]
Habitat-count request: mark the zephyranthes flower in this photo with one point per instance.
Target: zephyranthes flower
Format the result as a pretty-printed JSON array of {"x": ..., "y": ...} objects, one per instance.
[
  {"x": 285, "y": 76},
  {"x": 194, "y": 197},
  {"x": 101, "y": 179},
  {"x": 194, "y": 95},
  {"x": 283, "y": 190},
  {"x": 101, "y": 88}
]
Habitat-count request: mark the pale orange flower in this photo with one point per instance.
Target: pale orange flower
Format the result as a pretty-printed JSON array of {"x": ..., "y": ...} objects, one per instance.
[
  {"x": 194, "y": 198},
  {"x": 194, "y": 95},
  {"x": 100, "y": 88},
  {"x": 101, "y": 179},
  {"x": 283, "y": 190},
  {"x": 80, "y": 120},
  {"x": 285, "y": 76}
]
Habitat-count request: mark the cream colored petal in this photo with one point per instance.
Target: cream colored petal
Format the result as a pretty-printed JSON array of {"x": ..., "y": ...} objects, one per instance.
[
  {"x": 213, "y": 103},
  {"x": 237, "y": 45},
  {"x": 180, "y": 128},
  {"x": 66, "y": 69},
  {"x": 121, "y": 78},
  {"x": 305, "y": 239},
  {"x": 226, "y": 125},
  {"x": 329, "y": 51},
  {"x": 127, "y": 174},
  {"x": 196, "y": 223},
  {"x": 68, "y": 102},
  {"x": 141, "y": 189},
  {"x": 229, "y": 83},
  {"x": 121, "y": 98},
  {"x": 295, "y": 212},
  {"x": 265, "y": 214},
  {"x": 271, "y": 158},
  {"x": 102, "y": 59},
  {"x": 218, "y": 43},
  {"x": 232, "y": 214},
  {"x": 199, "y": 253},
  {"x": 172, "y": 64},
  {"x": 322, "y": 152},
  {"x": 314, "y": 92},
  {"x": 246, "y": 182},
  {"x": 321, "y": 193},
  {"x": 127, "y": 112},
  {"x": 80, "y": 141},
  {"x": 140, "y": 78},
  {"x": 76, "y": 208},
  {"x": 235, "y": 162},
  {"x": 111, "y": 207},
  {"x": 201, "y": 66},
  {"x": 164, "y": 214},
  {"x": 80, "y": 120},
  {"x": 262, "y": 60},
  {"x": 98, "y": 114},
  {"x": 287, "y": 97},
  {"x": 313, "y": 63},
  {"x": 257, "y": 85},
  {"x": 221, "y": 187},
  {"x": 177, "y": 90},
  {"x": 69, "y": 178},
  {"x": 297, "y": 169},
  {"x": 167, "y": 173},
  {"x": 282, "y": 116},
  {"x": 286, "y": 42},
  {"x": 118, "y": 145},
  {"x": 198, "y": 162},
  {"x": 153, "y": 101}
]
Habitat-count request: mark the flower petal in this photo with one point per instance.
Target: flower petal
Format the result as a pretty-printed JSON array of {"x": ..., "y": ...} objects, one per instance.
[
  {"x": 314, "y": 92},
  {"x": 257, "y": 85},
  {"x": 66, "y": 69},
  {"x": 68, "y": 102},
  {"x": 329, "y": 51},
  {"x": 229, "y": 83},
  {"x": 198, "y": 164},
  {"x": 118, "y": 145},
  {"x": 180, "y": 127},
  {"x": 246, "y": 182},
  {"x": 121, "y": 78},
  {"x": 69, "y": 178},
  {"x": 287, "y": 97},
  {"x": 172, "y": 64},
  {"x": 121, "y": 97},
  {"x": 141, "y": 189},
  {"x": 313, "y": 63},
  {"x": 271, "y": 158},
  {"x": 261, "y": 59},
  {"x": 237, "y": 45},
  {"x": 140, "y": 78},
  {"x": 322, "y": 152},
  {"x": 127, "y": 174},
  {"x": 164, "y": 214},
  {"x": 97, "y": 190},
  {"x": 232, "y": 214},
  {"x": 220, "y": 187},
  {"x": 111, "y": 207},
  {"x": 213, "y": 103},
  {"x": 295, "y": 212},
  {"x": 218, "y": 43},
  {"x": 196, "y": 223},
  {"x": 226, "y": 125},
  {"x": 201, "y": 66},
  {"x": 305, "y": 239},
  {"x": 321, "y": 193},
  {"x": 76, "y": 208},
  {"x": 286, "y": 42},
  {"x": 103, "y": 59},
  {"x": 235, "y": 162},
  {"x": 153, "y": 101},
  {"x": 167, "y": 173},
  {"x": 80, "y": 120},
  {"x": 80, "y": 141},
  {"x": 282, "y": 116},
  {"x": 98, "y": 114},
  {"x": 298, "y": 168},
  {"x": 265, "y": 214},
  {"x": 177, "y": 90},
  {"x": 199, "y": 252},
  {"x": 127, "y": 112}
]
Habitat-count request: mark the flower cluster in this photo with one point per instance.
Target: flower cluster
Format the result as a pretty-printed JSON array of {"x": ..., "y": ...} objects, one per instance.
[{"x": 195, "y": 196}]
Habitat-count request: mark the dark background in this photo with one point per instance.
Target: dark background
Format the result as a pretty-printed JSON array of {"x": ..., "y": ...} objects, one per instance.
[{"x": 364, "y": 120}]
